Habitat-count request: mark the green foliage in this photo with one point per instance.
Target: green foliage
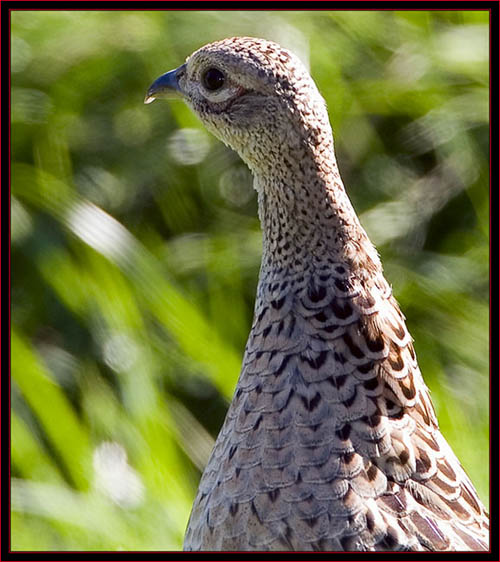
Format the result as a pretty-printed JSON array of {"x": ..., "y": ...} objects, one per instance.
[{"x": 136, "y": 247}]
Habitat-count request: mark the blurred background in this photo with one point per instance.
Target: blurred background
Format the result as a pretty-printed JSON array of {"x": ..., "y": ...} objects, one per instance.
[{"x": 136, "y": 247}]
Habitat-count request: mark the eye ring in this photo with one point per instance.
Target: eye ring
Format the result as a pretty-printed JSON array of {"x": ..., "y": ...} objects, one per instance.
[{"x": 213, "y": 79}]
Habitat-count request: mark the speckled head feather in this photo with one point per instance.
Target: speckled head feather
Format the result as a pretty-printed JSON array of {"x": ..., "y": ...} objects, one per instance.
[
  {"x": 330, "y": 441},
  {"x": 267, "y": 93}
]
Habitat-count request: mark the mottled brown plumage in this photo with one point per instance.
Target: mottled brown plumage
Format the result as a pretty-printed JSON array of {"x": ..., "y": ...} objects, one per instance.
[{"x": 331, "y": 441}]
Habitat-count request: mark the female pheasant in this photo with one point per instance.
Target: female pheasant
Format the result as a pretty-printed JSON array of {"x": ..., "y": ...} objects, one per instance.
[{"x": 330, "y": 442}]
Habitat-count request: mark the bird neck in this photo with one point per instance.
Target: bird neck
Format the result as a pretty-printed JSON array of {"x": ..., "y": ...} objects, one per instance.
[{"x": 307, "y": 218}]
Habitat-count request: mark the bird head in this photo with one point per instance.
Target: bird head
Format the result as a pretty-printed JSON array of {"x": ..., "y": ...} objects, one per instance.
[{"x": 253, "y": 95}]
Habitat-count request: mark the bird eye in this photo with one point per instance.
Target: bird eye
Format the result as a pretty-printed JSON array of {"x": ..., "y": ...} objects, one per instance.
[{"x": 213, "y": 79}]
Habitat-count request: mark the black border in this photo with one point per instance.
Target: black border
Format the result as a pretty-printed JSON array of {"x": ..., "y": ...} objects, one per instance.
[{"x": 5, "y": 8}]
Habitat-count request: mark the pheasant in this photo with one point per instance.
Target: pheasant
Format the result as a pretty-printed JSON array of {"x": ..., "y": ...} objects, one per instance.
[{"x": 331, "y": 442}]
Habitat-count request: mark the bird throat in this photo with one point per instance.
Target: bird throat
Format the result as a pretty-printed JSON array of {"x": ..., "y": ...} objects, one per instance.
[{"x": 306, "y": 216}]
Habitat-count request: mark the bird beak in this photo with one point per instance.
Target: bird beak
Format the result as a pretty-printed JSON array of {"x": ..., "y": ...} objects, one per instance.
[{"x": 166, "y": 86}]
